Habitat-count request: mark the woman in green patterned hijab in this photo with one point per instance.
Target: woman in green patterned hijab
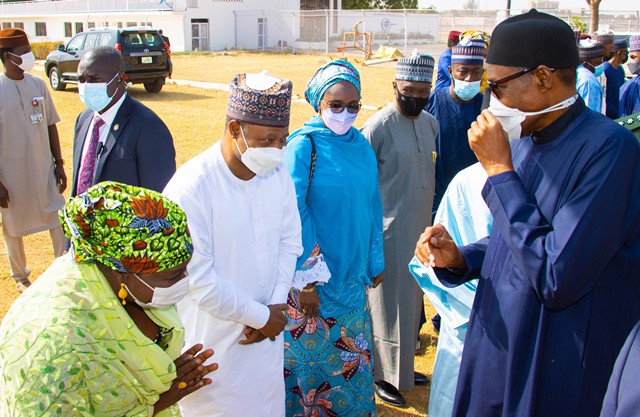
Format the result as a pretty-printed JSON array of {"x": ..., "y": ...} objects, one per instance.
[{"x": 98, "y": 332}]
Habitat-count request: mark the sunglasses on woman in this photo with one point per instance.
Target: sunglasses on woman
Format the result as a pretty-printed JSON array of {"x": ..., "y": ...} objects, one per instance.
[{"x": 337, "y": 107}]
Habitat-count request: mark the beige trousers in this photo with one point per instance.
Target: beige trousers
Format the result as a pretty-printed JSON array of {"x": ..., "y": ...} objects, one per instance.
[{"x": 17, "y": 257}]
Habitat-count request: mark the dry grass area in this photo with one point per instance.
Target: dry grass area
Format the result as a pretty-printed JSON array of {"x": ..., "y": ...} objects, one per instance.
[{"x": 196, "y": 119}]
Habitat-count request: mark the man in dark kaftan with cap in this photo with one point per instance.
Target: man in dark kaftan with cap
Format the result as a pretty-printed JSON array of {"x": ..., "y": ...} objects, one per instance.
[
  {"x": 559, "y": 285},
  {"x": 456, "y": 108},
  {"x": 614, "y": 72},
  {"x": 630, "y": 91}
]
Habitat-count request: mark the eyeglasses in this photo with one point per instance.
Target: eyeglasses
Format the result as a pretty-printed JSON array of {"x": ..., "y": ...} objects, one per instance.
[
  {"x": 337, "y": 107},
  {"x": 494, "y": 84}
]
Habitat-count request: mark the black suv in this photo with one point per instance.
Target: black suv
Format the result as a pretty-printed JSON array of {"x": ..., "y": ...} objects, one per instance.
[{"x": 146, "y": 56}]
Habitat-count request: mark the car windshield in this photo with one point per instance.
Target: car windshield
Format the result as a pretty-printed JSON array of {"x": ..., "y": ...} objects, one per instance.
[{"x": 142, "y": 40}]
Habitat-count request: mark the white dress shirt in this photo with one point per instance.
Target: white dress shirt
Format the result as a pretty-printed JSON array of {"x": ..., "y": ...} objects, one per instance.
[{"x": 107, "y": 117}]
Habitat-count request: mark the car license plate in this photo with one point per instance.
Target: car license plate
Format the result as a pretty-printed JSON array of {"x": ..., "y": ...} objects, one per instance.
[{"x": 146, "y": 60}]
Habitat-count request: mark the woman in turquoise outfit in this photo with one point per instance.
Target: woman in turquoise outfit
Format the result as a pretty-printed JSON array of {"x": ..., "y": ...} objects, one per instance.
[{"x": 328, "y": 350}]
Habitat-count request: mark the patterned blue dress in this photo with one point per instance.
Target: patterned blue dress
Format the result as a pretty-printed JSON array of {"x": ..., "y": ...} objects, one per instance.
[{"x": 328, "y": 360}]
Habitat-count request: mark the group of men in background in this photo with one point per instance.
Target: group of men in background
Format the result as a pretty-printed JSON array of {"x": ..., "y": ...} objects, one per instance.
[{"x": 601, "y": 80}]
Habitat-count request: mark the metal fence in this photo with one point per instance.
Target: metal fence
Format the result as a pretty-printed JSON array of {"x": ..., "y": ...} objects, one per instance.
[
  {"x": 89, "y": 6},
  {"x": 322, "y": 30}
]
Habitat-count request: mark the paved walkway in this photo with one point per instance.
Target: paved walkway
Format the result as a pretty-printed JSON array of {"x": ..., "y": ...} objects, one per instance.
[{"x": 225, "y": 87}]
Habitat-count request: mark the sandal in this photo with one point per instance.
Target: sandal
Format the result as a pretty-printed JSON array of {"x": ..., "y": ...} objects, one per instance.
[{"x": 22, "y": 285}]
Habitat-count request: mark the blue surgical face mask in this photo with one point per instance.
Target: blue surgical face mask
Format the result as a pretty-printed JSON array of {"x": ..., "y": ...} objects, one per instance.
[
  {"x": 466, "y": 90},
  {"x": 95, "y": 96},
  {"x": 597, "y": 71}
]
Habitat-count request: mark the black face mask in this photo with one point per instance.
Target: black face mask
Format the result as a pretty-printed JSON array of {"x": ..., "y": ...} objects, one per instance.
[{"x": 411, "y": 106}]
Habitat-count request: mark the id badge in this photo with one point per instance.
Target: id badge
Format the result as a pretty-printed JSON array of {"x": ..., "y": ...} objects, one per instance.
[{"x": 37, "y": 118}]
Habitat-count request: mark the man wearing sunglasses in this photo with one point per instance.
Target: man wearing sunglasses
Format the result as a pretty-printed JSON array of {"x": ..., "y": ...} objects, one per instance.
[
  {"x": 558, "y": 289},
  {"x": 403, "y": 138}
]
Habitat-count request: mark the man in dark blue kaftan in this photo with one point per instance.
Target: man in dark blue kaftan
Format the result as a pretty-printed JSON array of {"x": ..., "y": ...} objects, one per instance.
[
  {"x": 443, "y": 79},
  {"x": 559, "y": 286},
  {"x": 614, "y": 72},
  {"x": 630, "y": 91},
  {"x": 455, "y": 108}
]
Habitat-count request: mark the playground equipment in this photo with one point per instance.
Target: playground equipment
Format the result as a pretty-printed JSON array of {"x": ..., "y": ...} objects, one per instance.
[{"x": 359, "y": 41}]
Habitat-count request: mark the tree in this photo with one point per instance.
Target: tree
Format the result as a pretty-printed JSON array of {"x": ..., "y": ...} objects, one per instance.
[
  {"x": 470, "y": 5},
  {"x": 356, "y": 4},
  {"x": 379, "y": 4},
  {"x": 594, "y": 7},
  {"x": 576, "y": 22},
  {"x": 400, "y": 4}
]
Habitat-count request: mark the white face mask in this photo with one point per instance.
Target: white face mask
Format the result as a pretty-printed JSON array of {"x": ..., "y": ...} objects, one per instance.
[
  {"x": 339, "y": 123},
  {"x": 261, "y": 160},
  {"x": 164, "y": 297},
  {"x": 95, "y": 95},
  {"x": 511, "y": 119},
  {"x": 28, "y": 61}
]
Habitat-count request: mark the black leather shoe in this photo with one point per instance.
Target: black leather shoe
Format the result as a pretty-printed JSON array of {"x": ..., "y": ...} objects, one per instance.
[
  {"x": 420, "y": 379},
  {"x": 389, "y": 394}
]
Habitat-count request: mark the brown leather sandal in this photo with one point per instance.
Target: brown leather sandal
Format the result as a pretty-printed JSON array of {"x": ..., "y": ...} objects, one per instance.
[{"x": 22, "y": 285}]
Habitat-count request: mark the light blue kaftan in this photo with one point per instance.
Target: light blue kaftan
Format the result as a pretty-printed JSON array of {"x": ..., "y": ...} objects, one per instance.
[
  {"x": 589, "y": 89},
  {"x": 466, "y": 216}
]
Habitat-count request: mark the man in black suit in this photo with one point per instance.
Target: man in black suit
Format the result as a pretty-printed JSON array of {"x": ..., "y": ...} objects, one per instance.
[{"x": 117, "y": 138}]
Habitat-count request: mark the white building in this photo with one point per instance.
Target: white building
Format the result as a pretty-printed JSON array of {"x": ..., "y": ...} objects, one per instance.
[{"x": 190, "y": 24}]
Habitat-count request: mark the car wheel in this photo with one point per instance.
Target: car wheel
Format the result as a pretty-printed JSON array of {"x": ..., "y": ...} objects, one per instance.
[
  {"x": 154, "y": 86},
  {"x": 55, "y": 79}
]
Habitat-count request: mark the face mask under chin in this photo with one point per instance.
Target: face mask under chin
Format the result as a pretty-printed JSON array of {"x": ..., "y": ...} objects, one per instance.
[{"x": 511, "y": 118}]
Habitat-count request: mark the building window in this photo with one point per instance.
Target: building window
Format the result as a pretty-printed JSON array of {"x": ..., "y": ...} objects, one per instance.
[
  {"x": 41, "y": 29},
  {"x": 131, "y": 24},
  {"x": 79, "y": 27},
  {"x": 91, "y": 25},
  {"x": 6, "y": 25},
  {"x": 119, "y": 25},
  {"x": 67, "y": 30},
  {"x": 19, "y": 25}
]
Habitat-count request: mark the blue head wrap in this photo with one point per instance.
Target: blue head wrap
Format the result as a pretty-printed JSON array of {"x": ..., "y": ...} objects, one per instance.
[{"x": 329, "y": 74}]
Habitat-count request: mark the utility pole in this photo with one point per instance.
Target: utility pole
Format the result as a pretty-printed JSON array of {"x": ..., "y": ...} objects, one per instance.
[{"x": 508, "y": 8}]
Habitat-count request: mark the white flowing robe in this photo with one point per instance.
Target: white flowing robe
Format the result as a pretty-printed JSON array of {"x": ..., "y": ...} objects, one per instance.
[{"x": 247, "y": 238}]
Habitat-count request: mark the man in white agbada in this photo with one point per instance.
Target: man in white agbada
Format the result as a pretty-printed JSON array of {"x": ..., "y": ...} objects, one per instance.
[
  {"x": 241, "y": 209},
  {"x": 468, "y": 219}
]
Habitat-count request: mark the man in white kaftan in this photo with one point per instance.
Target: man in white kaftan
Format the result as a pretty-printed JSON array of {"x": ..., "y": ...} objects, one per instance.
[{"x": 242, "y": 214}]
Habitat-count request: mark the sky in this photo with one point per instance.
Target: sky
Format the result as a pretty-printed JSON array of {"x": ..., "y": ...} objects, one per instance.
[{"x": 616, "y": 5}]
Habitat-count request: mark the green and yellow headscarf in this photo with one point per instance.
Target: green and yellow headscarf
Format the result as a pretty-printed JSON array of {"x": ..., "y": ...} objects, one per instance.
[{"x": 127, "y": 228}]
